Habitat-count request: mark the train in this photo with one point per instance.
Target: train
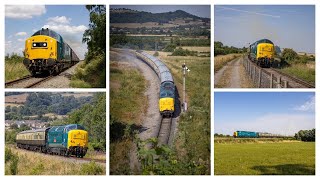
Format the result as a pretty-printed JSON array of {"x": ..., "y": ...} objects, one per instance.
[
  {"x": 262, "y": 53},
  {"x": 167, "y": 86},
  {"x": 250, "y": 134},
  {"x": 66, "y": 140},
  {"x": 47, "y": 53}
]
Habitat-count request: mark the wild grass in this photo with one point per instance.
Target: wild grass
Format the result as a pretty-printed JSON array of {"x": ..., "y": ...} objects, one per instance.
[
  {"x": 222, "y": 60},
  {"x": 303, "y": 71},
  {"x": 192, "y": 143},
  {"x": 197, "y": 48},
  {"x": 282, "y": 158},
  {"x": 126, "y": 94},
  {"x": 127, "y": 104},
  {"x": 34, "y": 163},
  {"x": 14, "y": 68},
  {"x": 90, "y": 74}
]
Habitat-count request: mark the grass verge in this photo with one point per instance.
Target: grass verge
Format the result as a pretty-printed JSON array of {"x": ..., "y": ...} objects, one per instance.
[
  {"x": 222, "y": 60},
  {"x": 301, "y": 71},
  {"x": 34, "y": 163}
]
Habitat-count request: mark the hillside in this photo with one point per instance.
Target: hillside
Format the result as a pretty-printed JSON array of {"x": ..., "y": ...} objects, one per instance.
[{"x": 132, "y": 16}]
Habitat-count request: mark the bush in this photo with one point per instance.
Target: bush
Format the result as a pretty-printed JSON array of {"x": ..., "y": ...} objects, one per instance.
[
  {"x": 13, "y": 159},
  {"x": 184, "y": 52},
  {"x": 156, "y": 53},
  {"x": 169, "y": 48},
  {"x": 91, "y": 169}
]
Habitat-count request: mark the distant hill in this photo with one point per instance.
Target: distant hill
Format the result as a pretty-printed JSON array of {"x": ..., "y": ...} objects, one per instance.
[{"x": 124, "y": 15}]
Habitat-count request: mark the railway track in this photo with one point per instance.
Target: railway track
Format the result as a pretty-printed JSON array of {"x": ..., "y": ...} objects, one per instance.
[
  {"x": 27, "y": 82},
  {"x": 88, "y": 159},
  {"x": 30, "y": 81},
  {"x": 164, "y": 131}
]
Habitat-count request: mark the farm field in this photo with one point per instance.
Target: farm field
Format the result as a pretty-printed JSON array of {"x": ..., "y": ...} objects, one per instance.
[{"x": 277, "y": 158}]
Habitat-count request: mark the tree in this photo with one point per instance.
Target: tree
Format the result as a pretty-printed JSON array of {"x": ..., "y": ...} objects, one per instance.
[{"x": 289, "y": 54}]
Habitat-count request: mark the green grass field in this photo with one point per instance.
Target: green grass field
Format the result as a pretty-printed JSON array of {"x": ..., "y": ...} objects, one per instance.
[{"x": 280, "y": 158}]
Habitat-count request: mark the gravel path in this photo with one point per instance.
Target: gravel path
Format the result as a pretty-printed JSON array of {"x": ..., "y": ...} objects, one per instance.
[
  {"x": 235, "y": 76},
  {"x": 232, "y": 76},
  {"x": 60, "y": 81}
]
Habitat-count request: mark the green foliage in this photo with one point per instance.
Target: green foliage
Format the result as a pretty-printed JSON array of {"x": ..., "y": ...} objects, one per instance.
[
  {"x": 93, "y": 118},
  {"x": 282, "y": 158},
  {"x": 170, "y": 48},
  {"x": 220, "y": 49},
  {"x": 40, "y": 103},
  {"x": 289, "y": 54},
  {"x": 306, "y": 135},
  {"x": 93, "y": 72},
  {"x": 156, "y": 54},
  {"x": 37, "y": 169},
  {"x": 184, "y": 52},
  {"x": 91, "y": 169},
  {"x": 162, "y": 160},
  {"x": 13, "y": 159}
]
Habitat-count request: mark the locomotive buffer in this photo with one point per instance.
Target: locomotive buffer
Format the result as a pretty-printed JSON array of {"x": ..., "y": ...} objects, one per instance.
[{"x": 184, "y": 103}]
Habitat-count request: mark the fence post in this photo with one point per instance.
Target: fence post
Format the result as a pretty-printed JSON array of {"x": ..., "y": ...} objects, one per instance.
[
  {"x": 285, "y": 84},
  {"x": 259, "y": 79},
  {"x": 254, "y": 73},
  {"x": 279, "y": 81},
  {"x": 271, "y": 81}
]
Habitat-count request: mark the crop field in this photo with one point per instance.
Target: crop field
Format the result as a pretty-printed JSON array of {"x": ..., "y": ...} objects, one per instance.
[
  {"x": 23, "y": 162},
  {"x": 268, "y": 158},
  {"x": 221, "y": 60}
]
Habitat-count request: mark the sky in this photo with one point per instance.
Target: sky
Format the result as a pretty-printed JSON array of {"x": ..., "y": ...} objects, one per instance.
[
  {"x": 288, "y": 26},
  {"x": 70, "y": 21},
  {"x": 198, "y": 10},
  {"x": 282, "y": 113}
]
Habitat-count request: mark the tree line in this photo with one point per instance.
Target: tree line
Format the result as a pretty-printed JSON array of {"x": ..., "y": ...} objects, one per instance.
[{"x": 306, "y": 135}]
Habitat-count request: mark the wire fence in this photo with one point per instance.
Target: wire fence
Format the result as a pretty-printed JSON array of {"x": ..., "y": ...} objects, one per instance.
[{"x": 262, "y": 78}]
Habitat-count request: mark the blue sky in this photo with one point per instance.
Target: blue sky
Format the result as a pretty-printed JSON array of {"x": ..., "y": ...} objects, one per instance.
[
  {"x": 275, "y": 112},
  {"x": 288, "y": 26},
  {"x": 198, "y": 10},
  {"x": 68, "y": 20}
]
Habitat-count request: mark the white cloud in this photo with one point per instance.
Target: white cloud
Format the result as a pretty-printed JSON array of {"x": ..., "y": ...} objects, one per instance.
[
  {"x": 21, "y": 34},
  {"x": 72, "y": 34},
  {"x": 284, "y": 124},
  {"x": 24, "y": 11},
  {"x": 308, "y": 106},
  {"x": 66, "y": 29},
  {"x": 59, "y": 20},
  {"x": 21, "y": 40}
]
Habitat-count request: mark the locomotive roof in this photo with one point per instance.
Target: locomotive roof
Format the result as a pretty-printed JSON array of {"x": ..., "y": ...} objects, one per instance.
[
  {"x": 67, "y": 127},
  {"x": 264, "y": 41},
  {"x": 48, "y": 32}
]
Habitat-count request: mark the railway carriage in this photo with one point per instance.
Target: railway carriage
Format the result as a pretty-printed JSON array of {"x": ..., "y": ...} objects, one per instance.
[
  {"x": 65, "y": 140},
  {"x": 47, "y": 52},
  {"x": 167, "y": 87},
  {"x": 262, "y": 52},
  {"x": 249, "y": 134}
]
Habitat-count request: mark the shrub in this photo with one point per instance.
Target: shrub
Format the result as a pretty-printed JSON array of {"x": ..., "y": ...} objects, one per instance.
[
  {"x": 156, "y": 53},
  {"x": 91, "y": 169}
]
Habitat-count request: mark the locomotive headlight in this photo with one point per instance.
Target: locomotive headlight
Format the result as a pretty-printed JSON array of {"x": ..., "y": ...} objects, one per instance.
[
  {"x": 34, "y": 44},
  {"x": 44, "y": 44}
]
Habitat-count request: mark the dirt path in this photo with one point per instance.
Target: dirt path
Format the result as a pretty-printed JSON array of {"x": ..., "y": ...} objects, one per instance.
[
  {"x": 151, "y": 120},
  {"x": 232, "y": 75}
]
